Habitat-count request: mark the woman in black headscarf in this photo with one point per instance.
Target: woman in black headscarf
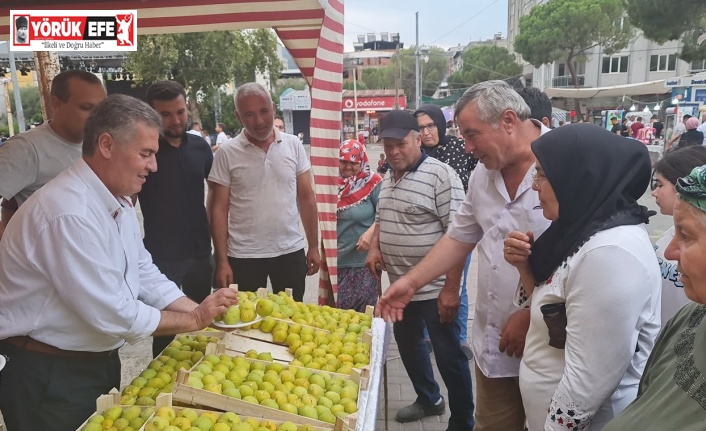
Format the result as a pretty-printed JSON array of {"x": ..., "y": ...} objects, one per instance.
[{"x": 591, "y": 280}]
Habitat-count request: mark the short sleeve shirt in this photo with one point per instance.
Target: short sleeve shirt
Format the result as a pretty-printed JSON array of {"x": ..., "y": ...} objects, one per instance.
[
  {"x": 263, "y": 213},
  {"x": 29, "y": 160}
]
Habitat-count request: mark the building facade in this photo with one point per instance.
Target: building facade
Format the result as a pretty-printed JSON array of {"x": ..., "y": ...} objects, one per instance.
[{"x": 641, "y": 61}]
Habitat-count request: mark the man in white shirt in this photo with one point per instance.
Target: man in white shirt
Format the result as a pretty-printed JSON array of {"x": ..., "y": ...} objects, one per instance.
[
  {"x": 259, "y": 188},
  {"x": 496, "y": 126},
  {"x": 702, "y": 127},
  {"x": 221, "y": 138},
  {"x": 195, "y": 129},
  {"x": 76, "y": 281},
  {"x": 679, "y": 129}
]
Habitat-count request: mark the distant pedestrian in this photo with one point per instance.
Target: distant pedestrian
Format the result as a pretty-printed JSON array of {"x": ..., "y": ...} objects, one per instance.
[
  {"x": 636, "y": 126},
  {"x": 616, "y": 127},
  {"x": 222, "y": 138},
  {"x": 658, "y": 126},
  {"x": 382, "y": 164}
]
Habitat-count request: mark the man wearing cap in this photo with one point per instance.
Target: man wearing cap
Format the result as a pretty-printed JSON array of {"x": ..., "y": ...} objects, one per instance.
[
  {"x": 450, "y": 150},
  {"x": 702, "y": 127},
  {"x": 415, "y": 207},
  {"x": 21, "y": 26}
]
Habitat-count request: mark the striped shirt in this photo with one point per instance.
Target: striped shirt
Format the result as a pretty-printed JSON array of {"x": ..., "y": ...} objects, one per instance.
[{"x": 413, "y": 215}]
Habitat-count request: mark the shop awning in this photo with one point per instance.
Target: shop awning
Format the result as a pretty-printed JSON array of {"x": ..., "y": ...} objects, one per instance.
[
  {"x": 637, "y": 89},
  {"x": 311, "y": 30}
]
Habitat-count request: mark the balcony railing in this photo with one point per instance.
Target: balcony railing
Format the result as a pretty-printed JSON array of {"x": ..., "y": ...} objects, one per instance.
[{"x": 568, "y": 81}]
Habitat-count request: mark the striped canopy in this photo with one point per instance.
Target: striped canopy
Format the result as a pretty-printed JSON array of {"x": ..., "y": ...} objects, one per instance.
[{"x": 311, "y": 30}]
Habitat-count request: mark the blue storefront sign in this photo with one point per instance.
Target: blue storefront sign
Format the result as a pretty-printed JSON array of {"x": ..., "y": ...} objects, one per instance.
[
  {"x": 700, "y": 95},
  {"x": 682, "y": 94}
]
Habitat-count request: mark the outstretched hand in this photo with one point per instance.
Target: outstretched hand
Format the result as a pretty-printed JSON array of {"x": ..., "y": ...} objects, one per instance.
[{"x": 393, "y": 302}]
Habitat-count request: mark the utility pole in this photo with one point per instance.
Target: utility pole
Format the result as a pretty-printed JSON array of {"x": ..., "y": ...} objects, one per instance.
[
  {"x": 397, "y": 76},
  {"x": 417, "y": 54},
  {"x": 355, "y": 100}
]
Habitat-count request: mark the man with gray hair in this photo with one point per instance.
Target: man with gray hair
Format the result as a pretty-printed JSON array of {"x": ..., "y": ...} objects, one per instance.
[
  {"x": 496, "y": 126},
  {"x": 76, "y": 282},
  {"x": 415, "y": 207},
  {"x": 260, "y": 186}
]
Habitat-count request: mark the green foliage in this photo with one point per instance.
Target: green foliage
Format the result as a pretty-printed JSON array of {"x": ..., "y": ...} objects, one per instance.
[
  {"x": 348, "y": 85},
  {"x": 566, "y": 29},
  {"x": 379, "y": 78},
  {"x": 204, "y": 61},
  {"x": 402, "y": 65},
  {"x": 484, "y": 63},
  {"x": 31, "y": 105},
  {"x": 677, "y": 19},
  {"x": 207, "y": 110}
]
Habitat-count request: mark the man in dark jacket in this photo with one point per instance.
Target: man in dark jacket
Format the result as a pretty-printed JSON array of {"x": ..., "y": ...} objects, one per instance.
[{"x": 450, "y": 150}]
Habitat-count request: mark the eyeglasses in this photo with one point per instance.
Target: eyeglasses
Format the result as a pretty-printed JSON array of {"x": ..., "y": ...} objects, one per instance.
[
  {"x": 429, "y": 128},
  {"x": 538, "y": 178}
]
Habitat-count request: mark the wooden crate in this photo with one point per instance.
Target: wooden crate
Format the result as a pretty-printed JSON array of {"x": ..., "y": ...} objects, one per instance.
[
  {"x": 356, "y": 375},
  {"x": 186, "y": 394},
  {"x": 104, "y": 402},
  {"x": 238, "y": 342},
  {"x": 166, "y": 400}
]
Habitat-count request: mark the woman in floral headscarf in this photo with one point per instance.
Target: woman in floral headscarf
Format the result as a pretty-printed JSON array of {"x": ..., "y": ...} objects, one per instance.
[
  {"x": 672, "y": 393},
  {"x": 358, "y": 189}
]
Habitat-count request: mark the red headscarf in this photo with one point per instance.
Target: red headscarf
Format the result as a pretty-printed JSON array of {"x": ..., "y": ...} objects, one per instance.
[{"x": 354, "y": 189}]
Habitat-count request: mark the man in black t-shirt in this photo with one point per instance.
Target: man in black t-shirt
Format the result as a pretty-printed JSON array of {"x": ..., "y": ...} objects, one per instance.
[
  {"x": 624, "y": 129},
  {"x": 658, "y": 126},
  {"x": 616, "y": 126},
  {"x": 172, "y": 200}
]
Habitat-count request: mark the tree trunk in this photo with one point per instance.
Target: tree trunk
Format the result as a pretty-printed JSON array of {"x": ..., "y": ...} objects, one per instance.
[
  {"x": 194, "y": 108},
  {"x": 575, "y": 78}
]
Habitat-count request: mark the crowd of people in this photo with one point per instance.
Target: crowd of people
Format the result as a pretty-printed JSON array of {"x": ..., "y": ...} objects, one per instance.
[
  {"x": 77, "y": 278},
  {"x": 571, "y": 294}
]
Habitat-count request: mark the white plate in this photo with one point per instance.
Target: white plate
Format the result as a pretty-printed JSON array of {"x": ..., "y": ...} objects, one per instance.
[
  {"x": 218, "y": 324},
  {"x": 3, "y": 361}
]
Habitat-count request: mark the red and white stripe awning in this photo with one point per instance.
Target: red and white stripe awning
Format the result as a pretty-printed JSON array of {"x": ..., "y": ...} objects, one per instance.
[{"x": 311, "y": 30}]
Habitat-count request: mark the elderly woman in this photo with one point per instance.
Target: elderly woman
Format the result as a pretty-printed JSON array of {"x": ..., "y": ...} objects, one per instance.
[
  {"x": 592, "y": 279},
  {"x": 358, "y": 189},
  {"x": 672, "y": 166},
  {"x": 672, "y": 393},
  {"x": 691, "y": 136}
]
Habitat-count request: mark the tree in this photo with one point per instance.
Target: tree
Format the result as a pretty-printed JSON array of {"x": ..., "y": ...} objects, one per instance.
[
  {"x": 207, "y": 109},
  {"x": 348, "y": 85},
  {"x": 204, "y": 61},
  {"x": 566, "y": 29},
  {"x": 433, "y": 67},
  {"x": 681, "y": 19},
  {"x": 484, "y": 63}
]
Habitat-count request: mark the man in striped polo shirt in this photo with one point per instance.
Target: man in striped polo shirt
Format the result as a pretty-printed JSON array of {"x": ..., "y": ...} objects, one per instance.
[{"x": 415, "y": 207}]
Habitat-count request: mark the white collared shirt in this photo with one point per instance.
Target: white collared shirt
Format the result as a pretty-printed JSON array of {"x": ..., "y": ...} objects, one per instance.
[
  {"x": 73, "y": 270},
  {"x": 486, "y": 217},
  {"x": 263, "y": 211}
]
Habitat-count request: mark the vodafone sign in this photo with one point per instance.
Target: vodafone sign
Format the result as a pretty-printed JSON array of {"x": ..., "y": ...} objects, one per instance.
[{"x": 382, "y": 103}]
